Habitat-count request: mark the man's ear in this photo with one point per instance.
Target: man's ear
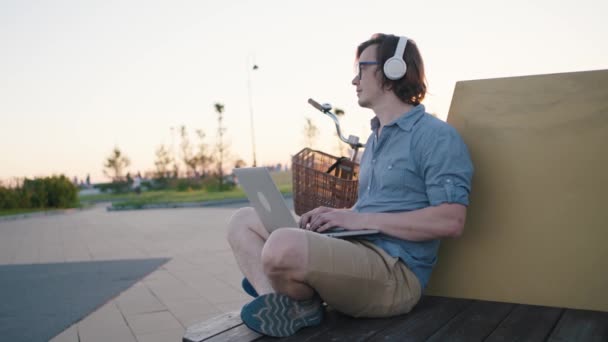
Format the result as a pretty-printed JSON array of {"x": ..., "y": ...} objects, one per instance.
[
  {"x": 388, "y": 86},
  {"x": 385, "y": 83}
]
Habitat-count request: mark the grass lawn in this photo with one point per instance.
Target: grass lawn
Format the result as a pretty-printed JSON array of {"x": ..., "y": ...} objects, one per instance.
[{"x": 282, "y": 179}]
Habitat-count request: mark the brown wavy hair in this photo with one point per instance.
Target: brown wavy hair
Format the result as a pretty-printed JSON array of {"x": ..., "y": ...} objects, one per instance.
[{"x": 411, "y": 88}]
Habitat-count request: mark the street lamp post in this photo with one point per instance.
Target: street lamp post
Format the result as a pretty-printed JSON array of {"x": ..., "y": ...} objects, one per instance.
[{"x": 255, "y": 67}]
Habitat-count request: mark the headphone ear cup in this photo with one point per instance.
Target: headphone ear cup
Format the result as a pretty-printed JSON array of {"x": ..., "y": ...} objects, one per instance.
[{"x": 394, "y": 68}]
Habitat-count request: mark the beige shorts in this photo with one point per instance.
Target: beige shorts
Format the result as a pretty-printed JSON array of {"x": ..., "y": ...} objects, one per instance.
[{"x": 360, "y": 279}]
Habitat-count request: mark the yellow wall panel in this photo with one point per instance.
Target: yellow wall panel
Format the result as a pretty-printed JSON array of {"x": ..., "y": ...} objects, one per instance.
[{"x": 537, "y": 226}]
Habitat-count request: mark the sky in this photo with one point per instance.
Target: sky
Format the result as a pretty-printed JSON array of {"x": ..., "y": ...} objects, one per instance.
[{"x": 78, "y": 78}]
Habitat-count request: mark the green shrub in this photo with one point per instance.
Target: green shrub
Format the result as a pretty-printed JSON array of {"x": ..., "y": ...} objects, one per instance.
[
  {"x": 49, "y": 192},
  {"x": 61, "y": 193},
  {"x": 34, "y": 193},
  {"x": 9, "y": 199}
]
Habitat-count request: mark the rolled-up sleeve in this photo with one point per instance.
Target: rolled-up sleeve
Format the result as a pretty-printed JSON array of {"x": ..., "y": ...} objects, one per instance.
[{"x": 446, "y": 166}]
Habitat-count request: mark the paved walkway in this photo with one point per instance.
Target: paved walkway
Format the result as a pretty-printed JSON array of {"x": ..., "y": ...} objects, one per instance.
[{"x": 200, "y": 281}]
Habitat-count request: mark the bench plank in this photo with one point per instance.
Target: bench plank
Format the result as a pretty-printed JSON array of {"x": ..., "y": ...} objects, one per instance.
[
  {"x": 330, "y": 321},
  {"x": 581, "y": 325},
  {"x": 356, "y": 329},
  {"x": 428, "y": 317},
  {"x": 527, "y": 323},
  {"x": 239, "y": 333},
  {"x": 474, "y": 323},
  {"x": 214, "y": 326}
]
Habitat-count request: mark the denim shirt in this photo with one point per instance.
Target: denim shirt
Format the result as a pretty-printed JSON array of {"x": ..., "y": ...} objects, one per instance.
[{"x": 418, "y": 161}]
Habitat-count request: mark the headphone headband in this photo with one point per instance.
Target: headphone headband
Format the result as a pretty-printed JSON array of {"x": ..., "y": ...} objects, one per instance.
[{"x": 400, "y": 49}]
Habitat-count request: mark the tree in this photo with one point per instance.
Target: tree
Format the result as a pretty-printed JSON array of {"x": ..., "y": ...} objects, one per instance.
[
  {"x": 163, "y": 160},
  {"x": 221, "y": 146},
  {"x": 311, "y": 132},
  {"x": 203, "y": 158},
  {"x": 342, "y": 148},
  {"x": 188, "y": 156},
  {"x": 115, "y": 165},
  {"x": 173, "y": 154}
]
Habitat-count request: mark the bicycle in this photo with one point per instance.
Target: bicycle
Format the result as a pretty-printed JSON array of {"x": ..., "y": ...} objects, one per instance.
[{"x": 321, "y": 179}]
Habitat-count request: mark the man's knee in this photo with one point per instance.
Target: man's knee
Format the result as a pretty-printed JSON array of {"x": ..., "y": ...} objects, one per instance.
[
  {"x": 286, "y": 250},
  {"x": 241, "y": 220}
]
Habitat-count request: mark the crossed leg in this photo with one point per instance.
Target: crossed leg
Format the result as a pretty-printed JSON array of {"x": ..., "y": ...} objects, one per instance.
[
  {"x": 354, "y": 277},
  {"x": 272, "y": 263}
]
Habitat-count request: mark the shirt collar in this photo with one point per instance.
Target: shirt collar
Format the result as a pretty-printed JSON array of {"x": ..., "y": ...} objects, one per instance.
[{"x": 405, "y": 121}]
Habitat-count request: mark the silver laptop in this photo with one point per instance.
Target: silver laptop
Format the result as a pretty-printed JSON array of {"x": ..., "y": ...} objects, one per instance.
[{"x": 270, "y": 204}]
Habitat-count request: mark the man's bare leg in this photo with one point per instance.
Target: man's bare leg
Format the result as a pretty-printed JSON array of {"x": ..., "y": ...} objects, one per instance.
[
  {"x": 274, "y": 262},
  {"x": 271, "y": 263},
  {"x": 285, "y": 261},
  {"x": 246, "y": 236}
]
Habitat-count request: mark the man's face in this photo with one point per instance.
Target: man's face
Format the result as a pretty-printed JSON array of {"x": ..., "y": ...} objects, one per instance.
[{"x": 367, "y": 80}]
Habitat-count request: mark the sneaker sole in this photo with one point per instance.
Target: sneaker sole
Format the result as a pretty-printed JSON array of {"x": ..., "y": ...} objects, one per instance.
[{"x": 270, "y": 315}]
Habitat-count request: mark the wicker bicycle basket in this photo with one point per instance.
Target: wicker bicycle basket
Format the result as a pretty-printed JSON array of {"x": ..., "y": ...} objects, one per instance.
[{"x": 320, "y": 179}]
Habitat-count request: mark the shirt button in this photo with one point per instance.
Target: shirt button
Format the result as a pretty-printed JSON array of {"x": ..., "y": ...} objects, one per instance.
[
  {"x": 368, "y": 187},
  {"x": 390, "y": 167},
  {"x": 373, "y": 160}
]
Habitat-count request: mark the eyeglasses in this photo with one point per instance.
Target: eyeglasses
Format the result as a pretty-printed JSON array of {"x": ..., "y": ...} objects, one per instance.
[{"x": 365, "y": 63}]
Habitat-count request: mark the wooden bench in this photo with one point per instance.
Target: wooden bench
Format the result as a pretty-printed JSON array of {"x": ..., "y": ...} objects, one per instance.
[
  {"x": 433, "y": 319},
  {"x": 536, "y": 227}
]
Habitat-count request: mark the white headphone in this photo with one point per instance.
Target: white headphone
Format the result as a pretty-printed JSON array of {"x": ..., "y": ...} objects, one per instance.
[{"x": 395, "y": 67}]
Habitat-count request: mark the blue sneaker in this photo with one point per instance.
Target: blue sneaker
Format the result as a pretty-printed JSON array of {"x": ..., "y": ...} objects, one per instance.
[
  {"x": 277, "y": 315},
  {"x": 247, "y": 287}
]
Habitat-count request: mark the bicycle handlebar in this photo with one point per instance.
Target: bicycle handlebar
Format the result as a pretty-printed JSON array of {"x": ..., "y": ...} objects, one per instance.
[
  {"x": 353, "y": 141},
  {"x": 316, "y": 105}
]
